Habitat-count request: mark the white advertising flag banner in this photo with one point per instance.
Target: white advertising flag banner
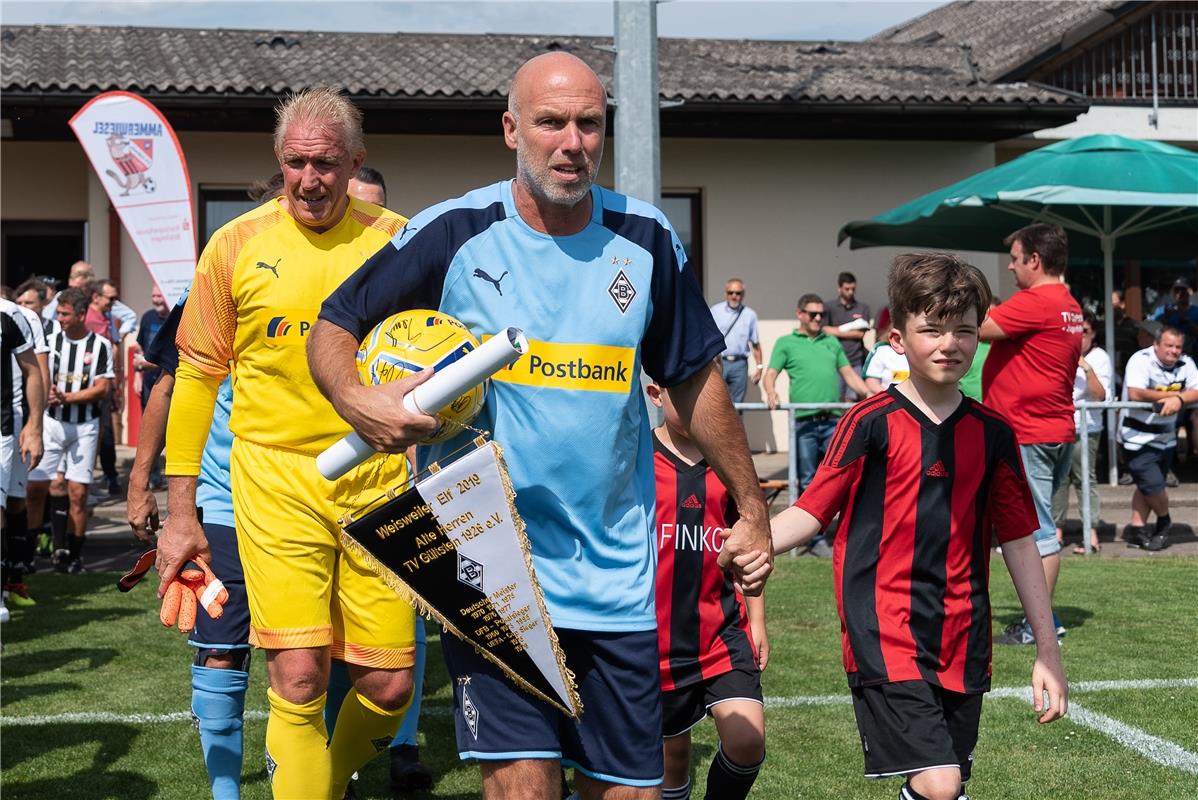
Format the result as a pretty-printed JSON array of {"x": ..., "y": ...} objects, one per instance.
[{"x": 137, "y": 157}]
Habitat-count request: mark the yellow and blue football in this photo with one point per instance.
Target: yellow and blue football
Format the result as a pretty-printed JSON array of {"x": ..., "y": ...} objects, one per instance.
[{"x": 411, "y": 341}]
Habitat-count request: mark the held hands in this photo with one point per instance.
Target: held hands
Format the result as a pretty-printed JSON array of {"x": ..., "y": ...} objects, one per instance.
[
  {"x": 752, "y": 539},
  {"x": 752, "y": 568},
  {"x": 378, "y": 415}
]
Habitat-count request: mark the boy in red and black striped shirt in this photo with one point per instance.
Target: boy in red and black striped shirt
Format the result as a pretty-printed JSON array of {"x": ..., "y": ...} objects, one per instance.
[
  {"x": 921, "y": 475},
  {"x": 711, "y": 657}
]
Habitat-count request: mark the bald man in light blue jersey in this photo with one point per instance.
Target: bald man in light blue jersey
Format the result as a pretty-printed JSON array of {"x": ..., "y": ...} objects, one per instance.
[{"x": 600, "y": 285}]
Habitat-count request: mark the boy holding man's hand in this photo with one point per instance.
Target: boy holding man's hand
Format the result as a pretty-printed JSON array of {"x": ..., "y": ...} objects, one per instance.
[{"x": 920, "y": 476}]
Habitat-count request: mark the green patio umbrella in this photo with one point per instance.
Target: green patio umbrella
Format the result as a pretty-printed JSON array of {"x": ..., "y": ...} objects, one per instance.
[{"x": 1109, "y": 192}]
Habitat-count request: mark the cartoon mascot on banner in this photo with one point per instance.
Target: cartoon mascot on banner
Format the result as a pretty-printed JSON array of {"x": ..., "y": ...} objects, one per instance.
[{"x": 134, "y": 157}]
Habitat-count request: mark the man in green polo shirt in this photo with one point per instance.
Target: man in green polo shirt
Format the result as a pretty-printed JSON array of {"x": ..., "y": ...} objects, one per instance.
[{"x": 812, "y": 360}]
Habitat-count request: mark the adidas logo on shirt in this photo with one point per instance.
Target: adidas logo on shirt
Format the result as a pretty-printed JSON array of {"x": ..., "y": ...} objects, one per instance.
[
  {"x": 937, "y": 470},
  {"x": 692, "y": 502}
]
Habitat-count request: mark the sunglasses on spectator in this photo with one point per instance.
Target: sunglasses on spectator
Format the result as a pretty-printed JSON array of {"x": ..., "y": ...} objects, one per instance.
[
  {"x": 734, "y": 294},
  {"x": 813, "y": 314}
]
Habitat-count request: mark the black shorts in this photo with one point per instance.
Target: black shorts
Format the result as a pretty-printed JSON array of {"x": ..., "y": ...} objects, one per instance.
[
  {"x": 618, "y": 737},
  {"x": 232, "y": 630},
  {"x": 911, "y": 726},
  {"x": 1148, "y": 467},
  {"x": 684, "y": 708}
]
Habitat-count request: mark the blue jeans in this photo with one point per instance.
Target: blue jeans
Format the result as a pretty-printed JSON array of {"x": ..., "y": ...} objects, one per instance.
[
  {"x": 736, "y": 376},
  {"x": 1047, "y": 468},
  {"x": 812, "y": 435}
]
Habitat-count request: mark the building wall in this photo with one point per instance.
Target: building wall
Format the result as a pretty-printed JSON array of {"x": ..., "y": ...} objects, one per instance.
[
  {"x": 43, "y": 181},
  {"x": 771, "y": 209}
]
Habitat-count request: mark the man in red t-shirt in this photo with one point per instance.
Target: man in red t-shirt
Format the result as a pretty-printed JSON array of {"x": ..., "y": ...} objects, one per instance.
[{"x": 1028, "y": 377}]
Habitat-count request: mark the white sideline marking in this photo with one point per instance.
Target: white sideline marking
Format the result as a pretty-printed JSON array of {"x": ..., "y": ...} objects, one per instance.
[
  {"x": 1016, "y": 692},
  {"x": 89, "y": 717},
  {"x": 1151, "y": 747}
]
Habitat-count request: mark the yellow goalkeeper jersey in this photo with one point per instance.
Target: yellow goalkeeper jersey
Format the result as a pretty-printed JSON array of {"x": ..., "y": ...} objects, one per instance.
[{"x": 258, "y": 289}]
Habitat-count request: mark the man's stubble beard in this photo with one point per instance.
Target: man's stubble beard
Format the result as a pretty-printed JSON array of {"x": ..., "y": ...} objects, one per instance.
[{"x": 539, "y": 182}]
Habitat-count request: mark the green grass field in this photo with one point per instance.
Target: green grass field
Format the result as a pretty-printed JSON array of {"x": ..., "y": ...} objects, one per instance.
[{"x": 87, "y": 649}]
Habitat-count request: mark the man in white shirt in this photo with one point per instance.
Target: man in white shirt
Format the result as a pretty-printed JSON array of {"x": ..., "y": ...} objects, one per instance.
[{"x": 1161, "y": 375}]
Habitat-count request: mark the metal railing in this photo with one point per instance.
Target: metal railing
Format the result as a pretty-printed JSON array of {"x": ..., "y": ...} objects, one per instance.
[
  {"x": 1110, "y": 406},
  {"x": 792, "y": 461}
]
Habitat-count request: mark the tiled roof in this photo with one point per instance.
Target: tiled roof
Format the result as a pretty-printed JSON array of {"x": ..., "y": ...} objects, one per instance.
[
  {"x": 1006, "y": 34},
  {"x": 85, "y": 59}
]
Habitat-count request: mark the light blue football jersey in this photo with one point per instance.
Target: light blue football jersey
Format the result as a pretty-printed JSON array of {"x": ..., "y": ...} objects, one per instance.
[{"x": 598, "y": 307}]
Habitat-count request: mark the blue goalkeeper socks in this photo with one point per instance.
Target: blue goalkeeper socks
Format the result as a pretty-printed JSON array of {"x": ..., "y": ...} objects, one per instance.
[{"x": 218, "y": 701}]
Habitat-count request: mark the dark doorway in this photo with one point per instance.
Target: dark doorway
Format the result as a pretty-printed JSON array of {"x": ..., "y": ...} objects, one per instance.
[{"x": 40, "y": 248}]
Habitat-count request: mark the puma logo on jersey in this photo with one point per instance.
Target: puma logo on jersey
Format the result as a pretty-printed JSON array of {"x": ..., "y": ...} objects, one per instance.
[
  {"x": 692, "y": 502},
  {"x": 272, "y": 267},
  {"x": 479, "y": 273},
  {"x": 937, "y": 470}
]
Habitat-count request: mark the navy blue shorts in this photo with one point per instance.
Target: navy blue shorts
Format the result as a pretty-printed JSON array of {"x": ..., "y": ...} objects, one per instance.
[
  {"x": 1149, "y": 467},
  {"x": 232, "y": 630},
  {"x": 618, "y": 737}
]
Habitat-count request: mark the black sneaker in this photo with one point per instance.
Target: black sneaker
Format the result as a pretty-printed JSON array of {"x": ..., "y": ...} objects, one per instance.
[
  {"x": 1157, "y": 542},
  {"x": 76, "y": 567},
  {"x": 61, "y": 560},
  {"x": 1137, "y": 538},
  {"x": 407, "y": 773}
]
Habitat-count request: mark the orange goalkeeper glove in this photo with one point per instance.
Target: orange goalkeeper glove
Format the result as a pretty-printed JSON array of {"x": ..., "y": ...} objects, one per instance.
[{"x": 194, "y": 586}]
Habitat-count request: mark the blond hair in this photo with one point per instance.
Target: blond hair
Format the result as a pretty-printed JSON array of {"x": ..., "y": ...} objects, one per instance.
[{"x": 320, "y": 106}]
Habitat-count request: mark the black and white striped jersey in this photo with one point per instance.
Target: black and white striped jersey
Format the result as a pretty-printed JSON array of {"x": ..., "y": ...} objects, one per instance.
[
  {"x": 49, "y": 328},
  {"x": 38, "y": 330},
  {"x": 75, "y": 365},
  {"x": 15, "y": 337}
]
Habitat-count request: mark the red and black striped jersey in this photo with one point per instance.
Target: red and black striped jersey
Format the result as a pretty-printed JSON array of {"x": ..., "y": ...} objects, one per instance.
[
  {"x": 917, "y": 502},
  {"x": 702, "y": 623}
]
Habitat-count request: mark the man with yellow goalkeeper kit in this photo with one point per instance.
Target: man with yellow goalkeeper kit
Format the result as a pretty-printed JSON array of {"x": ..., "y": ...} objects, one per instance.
[
  {"x": 258, "y": 287},
  {"x": 600, "y": 284}
]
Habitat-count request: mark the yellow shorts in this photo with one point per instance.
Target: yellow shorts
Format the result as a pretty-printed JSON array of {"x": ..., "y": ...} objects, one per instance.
[{"x": 304, "y": 589}]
